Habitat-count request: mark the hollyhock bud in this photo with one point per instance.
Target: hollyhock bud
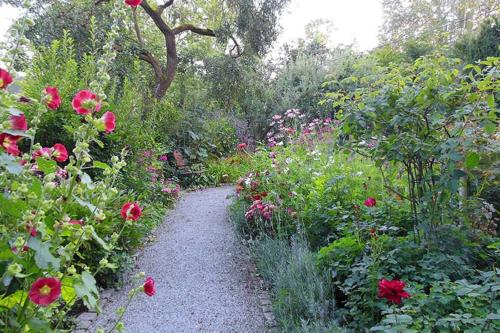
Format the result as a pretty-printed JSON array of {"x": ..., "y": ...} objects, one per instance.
[
  {"x": 370, "y": 202},
  {"x": 52, "y": 98},
  {"x": 9, "y": 143},
  {"x": 45, "y": 291},
  {"x": 18, "y": 123},
  {"x": 86, "y": 102},
  {"x": 149, "y": 287},
  {"x": 133, "y": 3},
  {"x": 5, "y": 78},
  {"x": 131, "y": 211},
  {"x": 59, "y": 153}
]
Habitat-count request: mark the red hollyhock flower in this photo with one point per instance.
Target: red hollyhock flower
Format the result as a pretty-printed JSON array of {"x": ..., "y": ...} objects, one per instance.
[
  {"x": 133, "y": 3},
  {"x": 149, "y": 287},
  {"x": 393, "y": 290},
  {"x": 18, "y": 123},
  {"x": 45, "y": 291},
  {"x": 59, "y": 153},
  {"x": 5, "y": 78},
  {"x": 9, "y": 143},
  {"x": 242, "y": 146},
  {"x": 131, "y": 211},
  {"x": 109, "y": 120},
  {"x": 370, "y": 202},
  {"x": 86, "y": 102},
  {"x": 52, "y": 98}
]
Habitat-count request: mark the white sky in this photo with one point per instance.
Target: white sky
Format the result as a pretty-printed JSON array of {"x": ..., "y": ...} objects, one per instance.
[{"x": 355, "y": 21}]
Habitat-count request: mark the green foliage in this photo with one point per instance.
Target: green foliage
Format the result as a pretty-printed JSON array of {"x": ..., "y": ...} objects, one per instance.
[
  {"x": 481, "y": 44},
  {"x": 301, "y": 296}
]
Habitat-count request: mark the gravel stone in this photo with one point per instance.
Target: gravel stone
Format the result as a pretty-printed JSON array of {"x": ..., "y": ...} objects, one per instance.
[{"x": 203, "y": 280}]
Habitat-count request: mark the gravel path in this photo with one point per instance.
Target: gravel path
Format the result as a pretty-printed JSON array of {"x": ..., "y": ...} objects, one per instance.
[{"x": 202, "y": 274}]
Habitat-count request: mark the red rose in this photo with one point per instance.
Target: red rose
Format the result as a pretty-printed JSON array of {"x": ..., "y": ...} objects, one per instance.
[
  {"x": 5, "y": 78},
  {"x": 45, "y": 291},
  {"x": 393, "y": 290},
  {"x": 149, "y": 287},
  {"x": 370, "y": 202},
  {"x": 9, "y": 143},
  {"x": 133, "y": 3},
  {"x": 109, "y": 120},
  {"x": 131, "y": 211},
  {"x": 52, "y": 98},
  {"x": 59, "y": 153},
  {"x": 18, "y": 123},
  {"x": 86, "y": 102}
]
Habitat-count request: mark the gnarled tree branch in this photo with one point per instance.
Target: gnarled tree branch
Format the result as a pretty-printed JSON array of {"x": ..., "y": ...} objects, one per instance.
[{"x": 192, "y": 28}]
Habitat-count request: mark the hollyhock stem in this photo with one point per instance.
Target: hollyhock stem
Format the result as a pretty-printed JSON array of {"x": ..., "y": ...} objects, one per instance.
[{"x": 122, "y": 314}]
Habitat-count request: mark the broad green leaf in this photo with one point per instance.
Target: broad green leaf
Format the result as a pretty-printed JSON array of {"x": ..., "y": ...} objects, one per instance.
[
  {"x": 11, "y": 164},
  {"x": 43, "y": 258},
  {"x": 100, "y": 165},
  {"x": 68, "y": 293},
  {"x": 90, "y": 206},
  {"x": 46, "y": 166},
  {"x": 36, "y": 187},
  {"x": 491, "y": 101},
  {"x": 472, "y": 160},
  {"x": 14, "y": 299}
]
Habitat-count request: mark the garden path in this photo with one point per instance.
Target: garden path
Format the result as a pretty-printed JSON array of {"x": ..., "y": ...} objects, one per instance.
[{"x": 202, "y": 273}]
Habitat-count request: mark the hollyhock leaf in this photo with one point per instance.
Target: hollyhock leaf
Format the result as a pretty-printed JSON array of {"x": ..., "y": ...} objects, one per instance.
[
  {"x": 68, "y": 293},
  {"x": 15, "y": 112},
  {"x": 100, "y": 165},
  {"x": 99, "y": 240},
  {"x": 89, "y": 281},
  {"x": 43, "y": 258},
  {"x": 39, "y": 325},
  {"x": 17, "y": 133},
  {"x": 46, "y": 166},
  {"x": 99, "y": 143},
  {"x": 82, "y": 203},
  {"x": 13, "y": 299},
  {"x": 36, "y": 187},
  {"x": 12, "y": 208},
  {"x": 87, "y": 180},
  {"x": 10, "y": 163}
]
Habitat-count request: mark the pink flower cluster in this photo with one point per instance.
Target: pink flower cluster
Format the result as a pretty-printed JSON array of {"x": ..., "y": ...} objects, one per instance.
[
  {"x": 284, "y": 128},
  {"x": 259, "y": 208}
]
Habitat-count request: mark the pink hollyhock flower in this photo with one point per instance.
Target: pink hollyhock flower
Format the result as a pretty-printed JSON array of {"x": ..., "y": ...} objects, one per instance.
[
  {"x": 133, "y": 3},
  {"x": 131, "y": 211},
  {"x": 163, "y": 158},
  {"x": 393, "y": 290},
  {"x": 109, "y": 120},
  {"x": 149, "y": 287},
  {"x": 52, "y": 98},
  {"x": 370, "y": 202},
  {"x": 45, "y": 291},
  {"x": 59, "y": 152},
  {"x": 18, "y": 123},
  {"x": 9, "y": 143},
  {"x": 76, "y": 222},
  {"x": 86, "y": 102},
  {"x": 242, "y": 146},
  {"x": 5, "y": 78},
  {"x": 43, "y": 152}
]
